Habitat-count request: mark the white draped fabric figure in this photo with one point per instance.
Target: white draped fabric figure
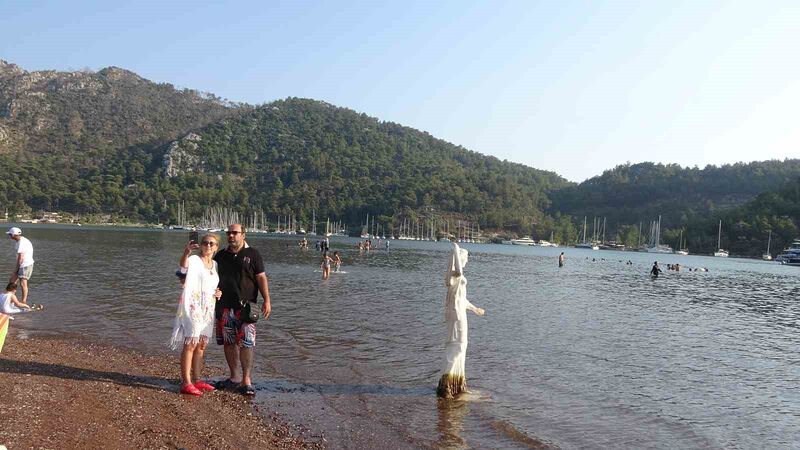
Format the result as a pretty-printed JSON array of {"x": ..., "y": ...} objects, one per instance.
[
  {"x": 453, "y": 380},
  {"x": 195, "y": 316}
]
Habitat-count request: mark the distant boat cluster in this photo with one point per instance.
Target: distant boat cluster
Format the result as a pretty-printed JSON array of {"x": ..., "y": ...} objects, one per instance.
[
  {"x": 527, "y": 241},
  {"x": 216, "y": 219},
  {"x": 790, "y": 256}
]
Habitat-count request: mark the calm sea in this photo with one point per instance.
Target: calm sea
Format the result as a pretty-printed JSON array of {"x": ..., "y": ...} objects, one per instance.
[{"x": 593, "y": 355}]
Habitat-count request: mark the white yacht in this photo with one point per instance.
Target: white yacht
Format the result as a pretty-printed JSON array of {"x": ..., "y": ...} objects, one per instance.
[
  {"x": 768, "y": 256},
  {"x": 791, "y": 253},
  {"x": 656, "y": 246},
  {"x": 720, "y": 253},
  {"x": 524, "y": 241},
  {"x": 584, "y": 243},
  {"x": 682, "y": 250}
]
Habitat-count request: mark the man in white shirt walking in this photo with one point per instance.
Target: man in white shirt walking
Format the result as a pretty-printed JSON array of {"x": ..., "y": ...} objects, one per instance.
[{"x": 24, "y": 267}]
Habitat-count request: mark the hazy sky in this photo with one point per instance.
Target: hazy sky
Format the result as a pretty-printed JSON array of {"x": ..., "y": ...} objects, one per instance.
[{"x": 572, "y": 87}]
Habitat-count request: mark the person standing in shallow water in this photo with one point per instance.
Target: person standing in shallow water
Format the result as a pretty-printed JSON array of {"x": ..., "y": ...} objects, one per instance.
[
  {"x": 24, "y": 267},
  {"x": 325, "y": 266},
  {"x": 655, "y": 270},
  {"x": 453, "y": 380},
  {"x": 241, "y": 278},
  {"x": 561, "y": 259}
]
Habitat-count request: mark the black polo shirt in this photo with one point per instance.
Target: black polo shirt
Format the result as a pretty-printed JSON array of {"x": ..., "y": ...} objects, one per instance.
[{"x": 237, "y": 277}]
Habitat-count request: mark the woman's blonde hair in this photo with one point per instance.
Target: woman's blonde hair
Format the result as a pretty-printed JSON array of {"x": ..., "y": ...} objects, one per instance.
[{"x": 212, "y": 236}]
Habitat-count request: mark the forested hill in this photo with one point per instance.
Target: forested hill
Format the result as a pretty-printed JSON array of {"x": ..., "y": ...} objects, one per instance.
[
  {"x": 628, "y": 194},
  {"x": 746, "y": 229},
  {"x": 117, "y": 146},
  {"x": 302, "y": 155},
  {"x": 95, "y": 114}
]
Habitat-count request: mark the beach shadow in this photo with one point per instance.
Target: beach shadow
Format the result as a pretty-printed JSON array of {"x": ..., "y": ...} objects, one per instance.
[
  {"x": 12, "y": 366},
  {"x": 287, "y": 387}
]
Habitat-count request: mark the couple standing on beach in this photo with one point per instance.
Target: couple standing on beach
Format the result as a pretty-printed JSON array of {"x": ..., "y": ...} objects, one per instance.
[{"x": 218, "y": 284}]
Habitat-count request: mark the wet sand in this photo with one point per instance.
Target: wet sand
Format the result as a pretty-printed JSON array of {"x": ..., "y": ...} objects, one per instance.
[{"x": 68, "y": 393}]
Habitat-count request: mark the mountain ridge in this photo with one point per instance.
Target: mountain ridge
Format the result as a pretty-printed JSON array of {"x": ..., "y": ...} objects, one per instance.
[{"x": 113, "y": 143}]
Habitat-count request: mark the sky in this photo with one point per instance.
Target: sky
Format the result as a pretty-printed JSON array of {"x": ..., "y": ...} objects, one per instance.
[{"x": 574, "y": 87}]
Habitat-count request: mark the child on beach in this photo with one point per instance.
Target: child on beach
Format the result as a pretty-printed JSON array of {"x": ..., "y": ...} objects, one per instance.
[{"x": 9, "y": 304}]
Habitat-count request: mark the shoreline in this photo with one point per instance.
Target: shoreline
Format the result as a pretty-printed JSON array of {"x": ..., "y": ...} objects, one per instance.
[{"x": 65, "y": 392}]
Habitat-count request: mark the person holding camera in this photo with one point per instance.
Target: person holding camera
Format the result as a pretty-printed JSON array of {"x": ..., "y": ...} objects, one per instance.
[
  {"x": 241, "y": 279},
  {"x": 194, "y": 320}
]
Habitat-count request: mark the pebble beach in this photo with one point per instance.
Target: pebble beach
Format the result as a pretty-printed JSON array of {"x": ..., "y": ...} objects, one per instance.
[{"x": 69, "y": 393}]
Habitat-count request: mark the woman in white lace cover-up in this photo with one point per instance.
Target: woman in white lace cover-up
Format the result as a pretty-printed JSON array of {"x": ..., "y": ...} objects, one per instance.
[
  {"x": 194, "y": 320},
  {"x": 453, "y": 380}
]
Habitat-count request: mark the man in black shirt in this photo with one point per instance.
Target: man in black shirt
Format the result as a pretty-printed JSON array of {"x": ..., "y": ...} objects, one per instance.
[{"x": 241, "y": 278}]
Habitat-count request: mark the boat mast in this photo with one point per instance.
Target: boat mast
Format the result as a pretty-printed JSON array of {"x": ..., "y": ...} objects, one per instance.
[
  {"x": 658, "y": 231},
  {"x": 769, "y": 240},
  {"x": 584, "y": 228},
  {"x": 604, "y": 231}
]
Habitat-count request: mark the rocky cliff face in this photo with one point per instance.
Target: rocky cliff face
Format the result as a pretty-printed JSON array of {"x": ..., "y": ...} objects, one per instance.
[
  {"x": 181, "y": 156},
  {"x": 46, "y": 112}
]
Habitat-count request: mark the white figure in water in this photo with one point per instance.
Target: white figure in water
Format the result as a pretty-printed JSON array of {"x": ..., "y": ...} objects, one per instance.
[{"x": 453, "y": 380}]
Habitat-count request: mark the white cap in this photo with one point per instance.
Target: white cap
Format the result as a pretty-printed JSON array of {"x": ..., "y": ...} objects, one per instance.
[{"x": 13, "y": 231}]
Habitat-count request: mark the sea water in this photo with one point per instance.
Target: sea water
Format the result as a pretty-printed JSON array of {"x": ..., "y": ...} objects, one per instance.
[{"x": 591, "y": 355}]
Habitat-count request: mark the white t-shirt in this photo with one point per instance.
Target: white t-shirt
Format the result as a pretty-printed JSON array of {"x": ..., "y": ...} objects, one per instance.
[
  {"x": 24, "y": 246},
  {"x": 6, "y": 307}
]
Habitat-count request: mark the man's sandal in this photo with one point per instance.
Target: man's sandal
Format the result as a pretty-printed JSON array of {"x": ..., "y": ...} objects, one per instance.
[
  {"x": 247, "y": 390},
  {"x": 226, "y": 385}
]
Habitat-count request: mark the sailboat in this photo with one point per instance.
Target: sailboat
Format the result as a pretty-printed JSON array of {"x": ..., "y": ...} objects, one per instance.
[
  {"x": 682, "y": 250},
  {"x": 720, "y": 253},
  {"x": 656, "y": 246},
  {"x": 768, "y": 256},
  {"x": 584, "y": 244},
  {"x": 313, "y": 231},
  {"x": 365, "y": 229}
]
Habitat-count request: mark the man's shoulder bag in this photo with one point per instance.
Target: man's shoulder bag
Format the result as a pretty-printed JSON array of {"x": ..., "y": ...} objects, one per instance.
[{"x": 249, "y": 312}]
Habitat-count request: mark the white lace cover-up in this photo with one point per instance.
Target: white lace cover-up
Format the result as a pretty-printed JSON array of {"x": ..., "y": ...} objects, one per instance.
[
  {"x": 195, "y": 316},
  {"x": 453, "y": 380}
]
